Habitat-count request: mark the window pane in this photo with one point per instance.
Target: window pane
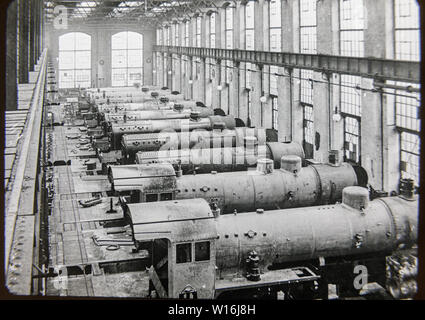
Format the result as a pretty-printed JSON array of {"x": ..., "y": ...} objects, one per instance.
[
  {"x": 119, "y": 41},
  {"x": 275, "y": 40},
  {"x": 67, "y": 41},
  {"x": 119, "y": 77},
  {"x": 82, "y": 59},
  {"x": 82, "y": 78},
  {"x": 135, "y": 58},
  {"x": 66, "y": 78},
  {"x": 183, "y": 252},
  {"x": 66, "y": 60},
  {"x": 202, "y": 251},
  {"x": 275, "y": 14},
  {"x": 352, "y": 16},
  {"x": 134, "y": 76},
  {"x": 82, "y": 41},
  {"x": 119, "y": 58},
  {"x": 135, "y": 40},
  {"x": 308, "y": 13},
  {"x": 249, "y": 39}
]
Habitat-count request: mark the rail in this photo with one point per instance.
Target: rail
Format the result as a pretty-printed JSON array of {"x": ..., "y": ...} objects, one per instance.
[{"x": 20, "y": 209}]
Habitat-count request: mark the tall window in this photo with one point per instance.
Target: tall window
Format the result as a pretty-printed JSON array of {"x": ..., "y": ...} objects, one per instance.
[
  {"x": 211, "y": 44},
  {"x": 127, "y": 58},
  {"x": 249, "y": 39},
  {"x": 198, "y": 31},
  {"x": 275, "y": 113},
  {"x": 406, "y": 34},
  {"x": 159, "y": 37},
  {"x": 275, "y": 17},
  {"x": 213, "y": 18},
  {"x": 228, "y": 43},
  {"x": 74, "y": 60},
  {"x": 186, "y": 33},
  {"x": 275, "y": 40},
  {"x": 308, "y": 44},
  {"x": 351, "y": 44},
  {"x": 177, "y": 34}
]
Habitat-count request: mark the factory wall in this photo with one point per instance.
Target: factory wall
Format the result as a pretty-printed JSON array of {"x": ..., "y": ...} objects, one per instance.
[
  {"x": 379, "y": 139},
  {"x": 101, "y": 56},
  {"x": 24, "y": 45}
]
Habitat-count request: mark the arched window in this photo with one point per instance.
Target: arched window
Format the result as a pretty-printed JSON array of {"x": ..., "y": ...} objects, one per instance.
[
  {"x": 127, "y": 59},
  {"x": 74, "y": 60}
]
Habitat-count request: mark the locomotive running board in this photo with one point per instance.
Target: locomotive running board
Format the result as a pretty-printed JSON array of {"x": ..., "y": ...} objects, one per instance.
[{"x": 268, "y": 279}]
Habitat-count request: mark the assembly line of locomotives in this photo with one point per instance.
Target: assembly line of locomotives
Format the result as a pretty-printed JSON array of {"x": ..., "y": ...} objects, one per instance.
[{"x": 196, "y": 164}]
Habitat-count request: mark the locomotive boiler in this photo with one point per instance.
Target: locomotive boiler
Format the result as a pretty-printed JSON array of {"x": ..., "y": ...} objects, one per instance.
[
  {"x": 177, "y": 112},
  {"x": 117, "y": 130},
  {"x": 265, "y": 187},
  {"x": 151, "y": 105},
  {"x": 206, "y": 160},
  {"x": 194, "y": 250},
  {"x": 219, "y": 137},
  {"x": 137, "y": 97}
]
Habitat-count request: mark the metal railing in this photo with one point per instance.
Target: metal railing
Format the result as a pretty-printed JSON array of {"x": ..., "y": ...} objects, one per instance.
[{"x": 19, "y": 209}]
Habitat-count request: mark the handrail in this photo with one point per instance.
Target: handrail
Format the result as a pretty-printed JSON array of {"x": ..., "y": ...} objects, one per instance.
[{"x": 13, "y": 207}]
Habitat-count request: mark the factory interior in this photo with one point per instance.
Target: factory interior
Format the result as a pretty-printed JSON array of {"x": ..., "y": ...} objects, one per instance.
[{"x": 209, "y": 149}]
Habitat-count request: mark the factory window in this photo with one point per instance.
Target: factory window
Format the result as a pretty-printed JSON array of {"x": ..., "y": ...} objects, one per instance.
[
  {"x": 228, "y": 28},
  {"x": 198, "y": 31},
  {"x": 74, "y": 60},
  {"x": 159, "y": 37},
  {"x": 351, "y": 44},
  {"x": 177, "y": 34},
  {"x": 249, "y": 40},
  {"x": 275, "y": 18},
  {"x": 127, "y": 58},
  {"x": 183, "y": 252},
  {"x": 211, "y": 44},
  {"x": 308, "y": 124},
  {"x": 275, "y": 112},
  {"x": 172, "y": 35},
  {"x": 308, "y": 44},
  {"x": 407, "y": 104},
  {"x": 213, "y": 18},
  {"x": 202, "y": 251},
  {"x": 352, "y": 28},
  {"x": 228, "y": 65},
  {"x": 275, "y": 45},
  {"x": 351, "y": 138},
  {"x": 186, "y": 33},
  {"x": 274, "y": 71},
  {"x": 407, "y": 30},
  {"x": 249, "y": 97},
  {"x": 409, "y": 156}
]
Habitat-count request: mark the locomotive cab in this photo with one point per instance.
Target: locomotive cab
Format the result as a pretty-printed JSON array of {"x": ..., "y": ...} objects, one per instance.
[{"x": 182, "y": 246}]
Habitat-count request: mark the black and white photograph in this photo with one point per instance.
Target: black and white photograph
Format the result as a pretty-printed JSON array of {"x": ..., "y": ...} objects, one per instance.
[{"x": 247, "y": 150}]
